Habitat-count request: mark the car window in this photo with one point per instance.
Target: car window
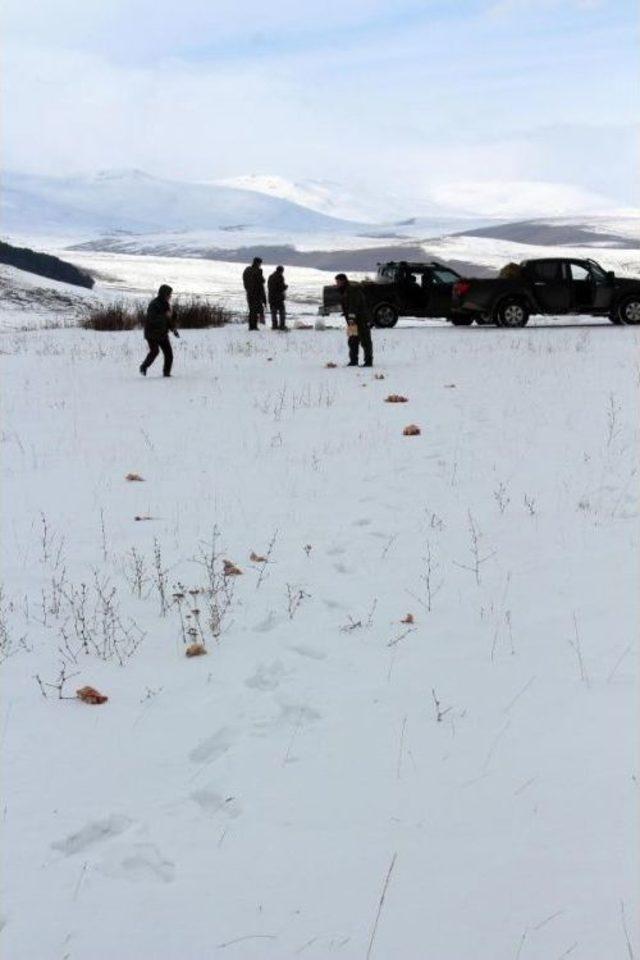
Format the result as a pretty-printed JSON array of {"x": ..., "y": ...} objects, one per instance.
[
  {"x": 387, "y": 274},
  {"x": 545, "y": 270},
  {"x": 598, "y": 274},
  {"x": 579, "y": 272},
  {"x": 444, "y": 276}
]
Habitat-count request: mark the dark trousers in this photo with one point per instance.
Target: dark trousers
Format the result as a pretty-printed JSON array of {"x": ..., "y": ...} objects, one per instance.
[
  {"x": 256, "y": 312},
  {"x": 156, "y": 344},
  {"x": 361, "y": 339},
  {"x": 278, "y": 316}
]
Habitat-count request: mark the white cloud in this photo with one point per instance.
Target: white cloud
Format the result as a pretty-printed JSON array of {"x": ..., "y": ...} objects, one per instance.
[{"x": 412, "y": 106}]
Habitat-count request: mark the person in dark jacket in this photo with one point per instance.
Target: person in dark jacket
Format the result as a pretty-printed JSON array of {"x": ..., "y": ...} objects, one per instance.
[
  {"x": 354, "y": 310},
  {"x": 158, "y": 322},
  {"x": 253, "y": 280},
  {"x": 276, "y": 289}
]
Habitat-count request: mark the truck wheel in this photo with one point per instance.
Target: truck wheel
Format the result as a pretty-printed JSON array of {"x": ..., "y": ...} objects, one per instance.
[
  {"x": 628, "y": 311},
  {"x": 512, "y": 313},
  {"x": 384, "y": 315},
  {"x": 462, "y": 321}
]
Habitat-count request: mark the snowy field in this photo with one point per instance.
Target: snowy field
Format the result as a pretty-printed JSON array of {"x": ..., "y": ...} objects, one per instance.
[{"x": 476, "y": 765}]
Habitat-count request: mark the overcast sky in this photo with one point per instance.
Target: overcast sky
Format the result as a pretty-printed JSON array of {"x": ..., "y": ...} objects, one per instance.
[{"x": 361, "y": 91}]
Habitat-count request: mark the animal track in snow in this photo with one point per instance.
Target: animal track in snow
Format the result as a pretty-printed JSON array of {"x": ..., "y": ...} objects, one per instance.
[
  {"x": 364, "y": 522},
  {"x": 266, "y": 677},
  {"x": 137, "y": 861},
  {"x": 213, "y": 747},
  {"x": 92, "y": 833}
]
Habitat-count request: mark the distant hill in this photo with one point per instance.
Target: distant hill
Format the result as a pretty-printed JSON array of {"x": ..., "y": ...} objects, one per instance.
[
  {"x": 621, "y": 232},
  {"x": 44, "y": 265}
]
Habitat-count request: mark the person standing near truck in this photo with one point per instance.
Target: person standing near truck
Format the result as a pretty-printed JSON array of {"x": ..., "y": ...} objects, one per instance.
[
  {"x": 158, "y": 322},
  {"x": 354, "y": 310},
  {"x": 253, "y": 281},
  {"x": 276, "y": 290}
]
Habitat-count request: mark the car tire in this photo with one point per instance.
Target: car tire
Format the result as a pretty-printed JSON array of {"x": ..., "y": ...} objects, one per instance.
[
  {"x": 512, "y": 313},
  {"x": 627, "y": 311},
  {"x": 384, "y": 316},
  {"x": 462, "y": 321},
  {"x": 484, "y": 319}
]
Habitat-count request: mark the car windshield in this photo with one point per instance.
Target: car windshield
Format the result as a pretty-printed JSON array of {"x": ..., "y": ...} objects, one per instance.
[
  {"x": 442, "y": 275},
  {"x": 597, "y": 270}
]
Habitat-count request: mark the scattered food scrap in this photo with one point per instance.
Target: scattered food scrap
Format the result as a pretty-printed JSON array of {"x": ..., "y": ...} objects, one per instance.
[
  {"x": 91, "y": 695},
  {"x": 195, "y": 650}
]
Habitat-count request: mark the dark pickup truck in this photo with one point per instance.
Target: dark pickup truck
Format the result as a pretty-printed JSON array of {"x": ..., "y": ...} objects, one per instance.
[
  {"x": 550, "y": 286},
  {"x": 402, "y": 289}
]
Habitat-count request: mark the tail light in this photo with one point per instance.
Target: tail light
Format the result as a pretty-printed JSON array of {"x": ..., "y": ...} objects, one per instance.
[{"x": 461, "y": 288}]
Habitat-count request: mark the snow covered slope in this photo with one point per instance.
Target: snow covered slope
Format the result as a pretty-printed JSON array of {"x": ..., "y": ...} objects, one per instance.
[
  {"x": 28, "y": 301},
  {"x": 133, "y": 200},
  {"x": 476, "y": 764}
]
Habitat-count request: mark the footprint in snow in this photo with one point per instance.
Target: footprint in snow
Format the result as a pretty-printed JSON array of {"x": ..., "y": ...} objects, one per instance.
[
  {"x": 269, "y": 622},
  {"x": 299, "y": 713},
  {"x": 335, "y": 551},
  {"x": 364, "y": 522},
  {"x": 334, "y": 604},
  {"x": 310, "y": 652},
  {"x": 289, "y": 715},
  {"x": 212, "y": 803},
  {"x": 213, "y": 747},
  {"x": 266, "y": 677},
  {"x": 92, "y": 833},
  {"x": 137, "y": 862}
]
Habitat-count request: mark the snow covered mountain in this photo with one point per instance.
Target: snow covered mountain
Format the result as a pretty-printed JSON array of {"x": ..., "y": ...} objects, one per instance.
[
  {"x": 338, "y": 200},
  {"x": 451, "y": 204},
  {"x": 131, "y": 200}
]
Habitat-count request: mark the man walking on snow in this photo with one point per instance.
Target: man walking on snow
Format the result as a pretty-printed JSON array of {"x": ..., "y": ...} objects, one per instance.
[
  {"x": 276, "y": 288},
  {"x": 158, "y": 322},
  {"x": 253, "y": 280},
  {"x": 354, "y": 310}
]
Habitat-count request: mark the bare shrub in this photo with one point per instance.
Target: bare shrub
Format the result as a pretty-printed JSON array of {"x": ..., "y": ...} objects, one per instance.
[{"x": 190, "y": 313}]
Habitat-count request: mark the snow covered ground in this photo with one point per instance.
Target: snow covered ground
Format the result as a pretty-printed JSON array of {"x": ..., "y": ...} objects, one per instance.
[{"x": 478, "y": 765}]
